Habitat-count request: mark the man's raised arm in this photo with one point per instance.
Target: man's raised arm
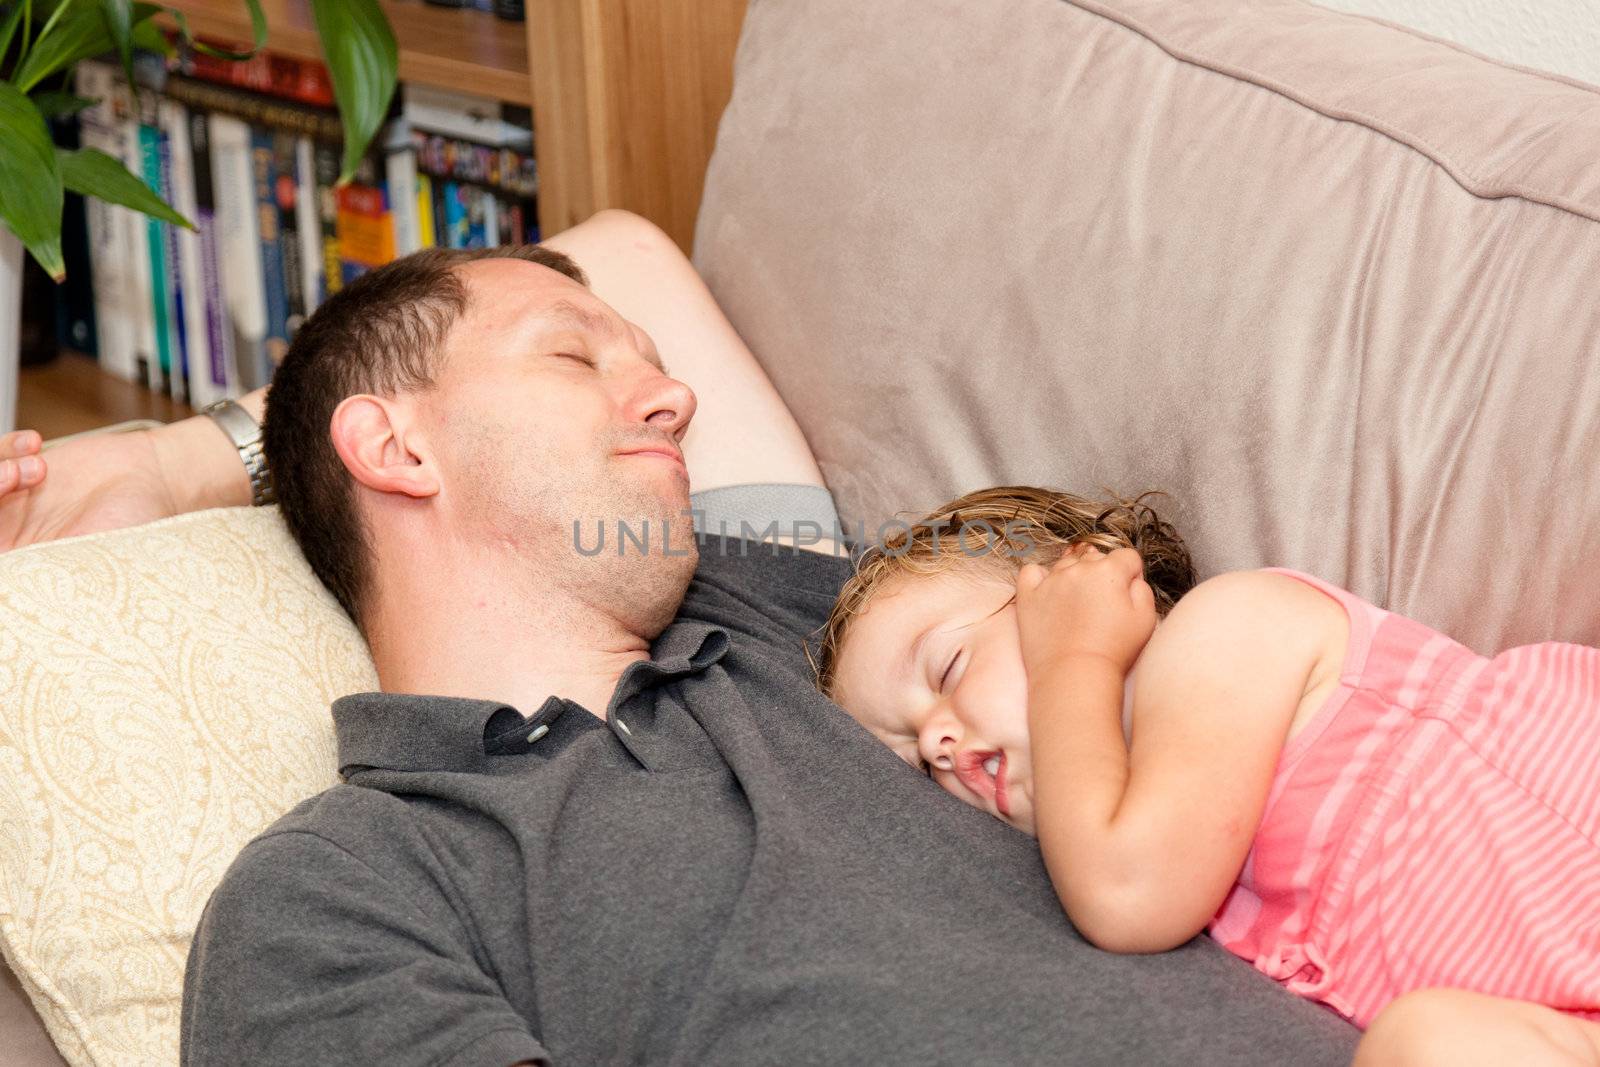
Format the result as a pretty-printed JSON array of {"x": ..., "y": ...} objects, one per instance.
[
  {"x": 743, "y": 433},
  {"x": 108, "y": 481}
]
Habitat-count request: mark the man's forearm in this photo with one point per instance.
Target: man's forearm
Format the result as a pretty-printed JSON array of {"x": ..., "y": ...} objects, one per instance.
[{"x": 199, "y": 465}]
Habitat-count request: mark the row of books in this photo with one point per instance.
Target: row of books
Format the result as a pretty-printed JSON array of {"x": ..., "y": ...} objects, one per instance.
[{"x": 251, "y": 152}]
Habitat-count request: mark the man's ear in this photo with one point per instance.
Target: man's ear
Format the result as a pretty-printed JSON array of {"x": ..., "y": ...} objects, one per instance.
[{"x": 377, "y": 441}]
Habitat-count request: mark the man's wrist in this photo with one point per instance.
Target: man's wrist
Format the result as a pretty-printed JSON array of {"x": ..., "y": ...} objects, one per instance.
[
  {"x": 256, "y": 404},
  {"x": 245, "y": 432},
  {"x": 199, "y": 465}
]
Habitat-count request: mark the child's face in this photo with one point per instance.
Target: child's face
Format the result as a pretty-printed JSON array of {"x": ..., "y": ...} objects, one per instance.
[{"x": 933, "y": 668}]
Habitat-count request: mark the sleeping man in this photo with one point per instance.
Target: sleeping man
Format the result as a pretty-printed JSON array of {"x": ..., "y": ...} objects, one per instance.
[{"x": 599, "y": 813}]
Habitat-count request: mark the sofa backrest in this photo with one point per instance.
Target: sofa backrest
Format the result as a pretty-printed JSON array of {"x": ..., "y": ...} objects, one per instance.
[{"x": 1330, "y": 283}]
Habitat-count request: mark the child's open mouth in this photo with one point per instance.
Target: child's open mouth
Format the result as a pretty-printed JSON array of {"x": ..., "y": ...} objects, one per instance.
[{"x": 985, "y": 774}]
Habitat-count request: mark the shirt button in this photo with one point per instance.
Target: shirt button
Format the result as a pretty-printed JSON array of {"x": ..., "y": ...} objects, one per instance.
[
  {"x": 540, "y": 732},
  {"x": 623, "y": 726}
]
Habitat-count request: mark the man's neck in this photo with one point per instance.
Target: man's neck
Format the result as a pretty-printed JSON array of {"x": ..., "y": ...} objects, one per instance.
[{"x": 478, "y": 636}]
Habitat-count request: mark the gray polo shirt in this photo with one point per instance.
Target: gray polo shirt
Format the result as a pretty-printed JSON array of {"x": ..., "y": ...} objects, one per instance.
[{"x": 725, "y": 870}]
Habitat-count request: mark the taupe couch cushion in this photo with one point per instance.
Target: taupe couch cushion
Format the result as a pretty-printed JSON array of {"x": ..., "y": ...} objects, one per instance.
[
  {"x": 22, "y": 1033},
  {"x": 1330, "y": 283}
]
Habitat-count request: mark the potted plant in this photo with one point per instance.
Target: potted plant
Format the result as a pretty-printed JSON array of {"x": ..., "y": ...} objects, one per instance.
[{"x": 41, "y": 41}]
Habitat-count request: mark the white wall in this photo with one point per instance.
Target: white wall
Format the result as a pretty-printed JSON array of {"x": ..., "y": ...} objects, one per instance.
[{"x": 1556, "y": 35}]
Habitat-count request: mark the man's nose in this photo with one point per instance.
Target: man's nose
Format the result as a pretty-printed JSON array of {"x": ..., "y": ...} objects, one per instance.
[{"x": 665, "y": 403}]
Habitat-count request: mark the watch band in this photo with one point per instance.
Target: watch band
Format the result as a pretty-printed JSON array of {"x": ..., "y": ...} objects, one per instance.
[{"x": 242, "y": 430}]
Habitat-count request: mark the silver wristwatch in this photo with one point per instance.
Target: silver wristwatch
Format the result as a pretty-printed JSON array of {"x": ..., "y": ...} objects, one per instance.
[{"x": 242, "y": 430}]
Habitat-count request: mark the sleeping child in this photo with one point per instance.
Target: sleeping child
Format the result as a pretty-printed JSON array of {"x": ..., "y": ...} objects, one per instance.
[{"x": 1353, "y": 802}]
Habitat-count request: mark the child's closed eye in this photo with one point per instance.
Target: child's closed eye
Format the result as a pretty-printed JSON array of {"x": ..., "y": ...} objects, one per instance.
[{"x": 949, "y": 670}]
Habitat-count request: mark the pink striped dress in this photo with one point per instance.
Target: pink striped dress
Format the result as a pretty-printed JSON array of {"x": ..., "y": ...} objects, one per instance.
[{"x": 1436, "y": 823}]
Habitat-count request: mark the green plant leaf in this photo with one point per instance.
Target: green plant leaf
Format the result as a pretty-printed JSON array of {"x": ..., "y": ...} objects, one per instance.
[
  {"x": 8, "y": 29},
  {"x": 258, "y": 31},
  {"x": 78, "y": 32},
  {"x": 363, "y": 59},
  {"x": 93, "y": 173},
  {"x": 30, "y": 180},
  {"x": 148, "y": 36},
  {"x": 118, "y": 18},
  {"x": 56, "y": 104}
]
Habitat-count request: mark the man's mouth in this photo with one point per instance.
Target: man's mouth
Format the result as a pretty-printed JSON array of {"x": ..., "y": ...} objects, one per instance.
[
  {"x": 661, "y": 451},
  {"x": 985, "y": 774}
]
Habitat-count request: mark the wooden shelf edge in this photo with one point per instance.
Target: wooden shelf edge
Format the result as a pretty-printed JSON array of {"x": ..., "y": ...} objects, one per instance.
[{"x": 468, "y": 51}]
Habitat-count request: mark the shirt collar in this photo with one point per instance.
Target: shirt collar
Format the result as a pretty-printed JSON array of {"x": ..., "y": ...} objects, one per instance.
[{"x": 411, "y": 732}]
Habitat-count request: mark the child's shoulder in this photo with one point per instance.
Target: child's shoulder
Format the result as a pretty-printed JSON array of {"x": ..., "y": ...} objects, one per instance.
[
  {"x": 1264, "y": 608},
  {"x": 1267, "y": 590}
]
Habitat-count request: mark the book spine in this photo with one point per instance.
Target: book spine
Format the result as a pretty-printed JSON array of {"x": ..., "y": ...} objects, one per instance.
[
  {"x": 511, "y": 176},
  {"x": 159, "y": 371},
  {"x": 427, "y": 233},
  {"x": 172, "y": 124},
  {"x": 305, "y": 81},
  {"x": 479, "y": 119},
  {"x": 502, "y": 169},
  {"x": 486, "y": 220},
  {"x": 510, "y": 222},
  {"x": 276, "y": 343},
  {"x": 136, "y": 238},
  {"x": 401, "y": 167},
  {"x": 196, "y": 334},
  {"x": 210, "y": 383},
  {"x": 239, "y": 246},
  {"x": 457, "y": 227},
  {"x": 286, "y": 192},
  {"x": 256, "y": 110},
  {"x": 441, "y": 213},
  {"x": 326, "y": 160},
  {"x": 110, "y": 274},
  {"x": 365, "y": 224},
  {"x": 307, "y": 224}
]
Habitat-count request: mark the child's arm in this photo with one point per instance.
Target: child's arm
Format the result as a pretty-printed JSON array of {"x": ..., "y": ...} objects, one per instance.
[
  {"x": 1143, "y": 843},
  {"x": 1467, "y": 1029}
]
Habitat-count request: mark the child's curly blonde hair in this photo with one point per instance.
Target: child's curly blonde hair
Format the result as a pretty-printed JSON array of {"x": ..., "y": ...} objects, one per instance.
[{"x": 1001, "y": 529}]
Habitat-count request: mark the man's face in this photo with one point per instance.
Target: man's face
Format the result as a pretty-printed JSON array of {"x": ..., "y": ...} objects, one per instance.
[{"x": 550, "y": 409}]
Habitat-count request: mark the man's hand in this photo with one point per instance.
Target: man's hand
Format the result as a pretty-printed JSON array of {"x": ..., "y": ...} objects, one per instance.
[
  {"x": 107, "y": 481},
  {"x": 101, "y": 482},
  {"x": 1089, "y": 603},
  {"x": 20, "y": 465}
]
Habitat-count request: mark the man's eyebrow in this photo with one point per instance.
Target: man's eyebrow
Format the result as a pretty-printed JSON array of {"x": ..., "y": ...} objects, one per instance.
[{"x": 564, "y": 314}]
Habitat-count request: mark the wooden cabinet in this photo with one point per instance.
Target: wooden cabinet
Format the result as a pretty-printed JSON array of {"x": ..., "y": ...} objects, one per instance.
[{"x": 626, "y": 94}]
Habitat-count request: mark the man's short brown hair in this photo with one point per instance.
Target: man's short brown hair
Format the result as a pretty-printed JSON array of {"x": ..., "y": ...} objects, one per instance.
[{"x": 383, "y": 334}]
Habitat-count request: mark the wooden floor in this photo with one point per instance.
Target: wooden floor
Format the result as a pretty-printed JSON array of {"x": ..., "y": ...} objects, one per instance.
[{"x": 70, "y": 394}]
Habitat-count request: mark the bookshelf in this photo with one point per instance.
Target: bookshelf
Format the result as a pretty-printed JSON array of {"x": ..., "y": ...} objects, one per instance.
[
  {"x": 626, "y": 97},
  {"x": 71, "y": 394},
  {"x": 454, "y": 49},
  {"x": 626, "y": 94}
]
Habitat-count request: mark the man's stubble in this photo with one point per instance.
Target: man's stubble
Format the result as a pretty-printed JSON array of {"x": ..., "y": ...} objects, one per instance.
[{"x": 543, "y": 517}]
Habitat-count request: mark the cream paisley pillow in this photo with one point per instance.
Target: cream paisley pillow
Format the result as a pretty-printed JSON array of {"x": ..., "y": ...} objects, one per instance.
[{"x": 166, "y": 695}]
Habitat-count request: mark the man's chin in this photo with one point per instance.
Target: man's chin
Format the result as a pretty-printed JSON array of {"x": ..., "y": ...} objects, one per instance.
[{"x": 655, "y": 525}]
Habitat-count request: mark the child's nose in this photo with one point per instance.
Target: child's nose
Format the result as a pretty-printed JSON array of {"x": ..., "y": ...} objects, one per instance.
[{"x": 938, "y": 742}]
